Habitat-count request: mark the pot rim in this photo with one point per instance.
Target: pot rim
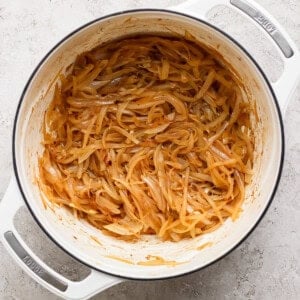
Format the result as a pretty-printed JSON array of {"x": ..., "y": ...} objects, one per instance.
[{"x": 33, "y": 74}]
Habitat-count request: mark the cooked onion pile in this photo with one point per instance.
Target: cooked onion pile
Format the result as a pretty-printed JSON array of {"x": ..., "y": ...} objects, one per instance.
[{"x": 148, "y": 135}]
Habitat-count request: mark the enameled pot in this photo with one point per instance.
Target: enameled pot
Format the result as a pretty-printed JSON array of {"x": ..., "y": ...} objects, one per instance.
[{"x": 114, "y": 260}]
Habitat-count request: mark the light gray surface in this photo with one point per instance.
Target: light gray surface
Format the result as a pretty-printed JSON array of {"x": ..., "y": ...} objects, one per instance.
[{"x": 266, "y": 266}]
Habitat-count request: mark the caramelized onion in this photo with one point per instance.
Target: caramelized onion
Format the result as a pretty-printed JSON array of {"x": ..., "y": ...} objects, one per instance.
[{"x": 148, "y": 135}]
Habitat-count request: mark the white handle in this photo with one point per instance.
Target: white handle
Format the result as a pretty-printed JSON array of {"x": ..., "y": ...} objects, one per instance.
[
  {"x": 94, "y": 283},
  {"x": 289, "y": 53}
]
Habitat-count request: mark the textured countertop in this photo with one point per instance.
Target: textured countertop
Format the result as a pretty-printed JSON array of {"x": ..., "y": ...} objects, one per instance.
[{"x": 266, "y": 266}]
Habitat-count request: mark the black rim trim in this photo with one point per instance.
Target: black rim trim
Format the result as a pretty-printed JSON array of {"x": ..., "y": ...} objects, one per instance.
[{"x": 209, "y": 25}]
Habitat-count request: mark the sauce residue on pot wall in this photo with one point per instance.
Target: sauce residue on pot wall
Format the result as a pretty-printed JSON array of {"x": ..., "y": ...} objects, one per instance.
[
  {"x": 153, "y": 260},
  {"x": 205, "y": 245},
  {"x": 96, "y": 240},
  {"x": 127, "y": 261}
]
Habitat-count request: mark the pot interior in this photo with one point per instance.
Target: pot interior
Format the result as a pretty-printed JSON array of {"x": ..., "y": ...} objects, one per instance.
[{"x": 89, "y": 244}]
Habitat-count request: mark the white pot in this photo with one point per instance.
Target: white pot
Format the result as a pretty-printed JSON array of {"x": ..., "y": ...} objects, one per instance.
[{"x": 62, "y": 227}]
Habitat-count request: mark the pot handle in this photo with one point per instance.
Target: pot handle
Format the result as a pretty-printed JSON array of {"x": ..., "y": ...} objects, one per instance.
[
  {"x": 289, "y": 53},
  {"x": 94, "y": 283}
]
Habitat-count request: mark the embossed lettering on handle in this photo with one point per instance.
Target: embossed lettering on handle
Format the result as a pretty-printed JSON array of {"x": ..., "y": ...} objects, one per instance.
[
  {"x": 266, "y": 24},
  {"x": 32, "y": 264}
]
